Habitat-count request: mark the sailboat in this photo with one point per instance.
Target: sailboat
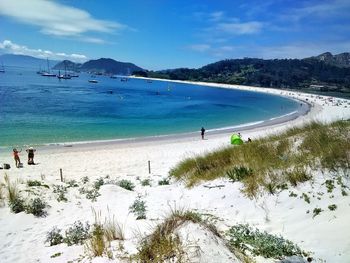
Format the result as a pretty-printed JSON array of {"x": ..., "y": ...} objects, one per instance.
[
  {"x": 65, "y": 76},
  {"x": 2, "y": 69},
  {"x": 48, "y": 74}
]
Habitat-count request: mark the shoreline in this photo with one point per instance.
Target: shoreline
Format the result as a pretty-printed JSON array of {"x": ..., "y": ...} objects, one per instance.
[{"x": 304, "y": 110}]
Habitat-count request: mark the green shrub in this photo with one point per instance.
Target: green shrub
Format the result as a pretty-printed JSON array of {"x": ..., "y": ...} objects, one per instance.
[
  {"x": 61, "y": 191},
  {"x": 237, "y": 174},
  {"x": 77, "y": 233},
  {"x": 92, "y": 194},
  {"x": 36, "y": 207},
  {"x": 98, "y": 183},
  {"x": 54, "y": 237},
  {"x": 138, "y": 208},
  {"x": 164, "y": 181},
  {"x": 306, "y": 198},
  {"x": 33, "y": 183},
  {"x": 332, "y": 207},
  {"x": 85, "y": 179},
  {"x": 126, "y": 184},
  {"x": 17, "y": 204},
  {"x": 316, "y": 211},
  {"x": 249, "y": 240},
  {"x": 72, "y": 183},
  {"x": 330, "y": 185},
  {"x": 146, "y": 182}
]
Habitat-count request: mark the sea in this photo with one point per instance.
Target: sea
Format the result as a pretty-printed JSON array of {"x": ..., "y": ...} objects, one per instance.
[{"x": 37, "y": 110}]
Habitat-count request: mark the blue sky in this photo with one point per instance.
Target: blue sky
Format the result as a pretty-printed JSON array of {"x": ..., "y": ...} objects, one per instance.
[{"x": 161, "y": 34}]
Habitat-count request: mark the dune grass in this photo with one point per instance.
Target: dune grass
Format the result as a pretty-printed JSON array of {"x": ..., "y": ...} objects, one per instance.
[
  {"x": 164, "y": 244},
  {"x": 275, "y": 160}
]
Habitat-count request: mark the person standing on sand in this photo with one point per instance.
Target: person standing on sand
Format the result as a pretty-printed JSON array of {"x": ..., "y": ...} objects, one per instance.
[
  {"x": 202, "y": 132},
  {"x": 30, "y": 152},
  {"x": 16, "y": 157}
]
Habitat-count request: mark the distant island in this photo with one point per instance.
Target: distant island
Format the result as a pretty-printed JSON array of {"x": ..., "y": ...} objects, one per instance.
[
  {"x": 325, "y": 72},
  {"x": 102, "y": 65}
]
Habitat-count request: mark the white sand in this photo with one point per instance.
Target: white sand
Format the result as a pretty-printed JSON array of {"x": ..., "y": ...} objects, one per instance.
[{"x": 22, "y": 235}]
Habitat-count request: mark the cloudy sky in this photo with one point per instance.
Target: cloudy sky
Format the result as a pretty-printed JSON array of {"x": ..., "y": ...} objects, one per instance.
[{"x": 160, "y": 34}]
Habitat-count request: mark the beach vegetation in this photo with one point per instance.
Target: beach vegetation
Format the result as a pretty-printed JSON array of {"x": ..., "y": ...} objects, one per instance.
[
  {"x": 36, "y": 207},
  {"x": 164, "y": 181},
  {"x": 138, "y": 208},
  {"x": 306, "y": 198},
  {"x": 146, "y": 182},
  {"x": 98, "y": 183},
  {"x": 332, "y": 207},
  {"x": 126, "y": 184},
  {"x": 72, "y": 183},
  {"x": 77, "y": 233},
  {"x": 92, "y": 194},
  {"x": 281, "y": 160},
  {"x": 56, "y": 255},
  {"x": 54, "y": 237},
  {"x": 329, "y": 185},
  {"x": 60, "y": 192},
  {"x": 15, "y": 200},
  {"x": 17, "y": 204},
  {"x": 85, "y": 179},
  {"x": 2, "y": 195},
  {"x": 97, "y": 244},
  {"x": 252, "y": 241},
  {"x": 316, "y": 212}
]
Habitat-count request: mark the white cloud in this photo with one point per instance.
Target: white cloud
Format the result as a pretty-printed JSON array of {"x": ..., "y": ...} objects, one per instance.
[
  {"x": 240, "y": 28},
  {"x": 7, "y": 46},
  {"x": 57, "y": 19},
  {"x": 319, "y": 9},
  {"x": 216, "y": 16},
  {"x": 199, "y": 47}
]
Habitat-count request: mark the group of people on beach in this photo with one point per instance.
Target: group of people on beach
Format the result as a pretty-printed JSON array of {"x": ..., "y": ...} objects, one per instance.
[{"x": 30, "y": 152}]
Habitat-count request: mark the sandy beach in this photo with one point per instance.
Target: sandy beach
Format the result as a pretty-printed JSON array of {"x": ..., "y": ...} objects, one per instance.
[{"x": 22, "y": 236}]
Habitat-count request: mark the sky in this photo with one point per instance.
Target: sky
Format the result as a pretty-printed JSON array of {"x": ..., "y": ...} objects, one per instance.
[{"x": 164, "y": 34}]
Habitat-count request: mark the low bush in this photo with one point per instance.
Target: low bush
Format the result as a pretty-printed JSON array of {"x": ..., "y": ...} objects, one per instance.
[
  {"x": 85, "y": 179},
  {"x": 297, "y": 175},
  {"x": 98, "y": 183},
  {"x": 332, "y": 207},
  {"x": 164, "y": 181},
  {"x": 60, "y": 192},
  {"x": 33, "y": 183},
  {"x": 17, "y": 204},
  {"x": 138, "y": 208},
  {"x": 77, "y": 233},
  {"x": 126, "y": 184},
  {"x": 316, "y": 212},
  {"x": 237, "y": 174},
  {"x": 36, "y": 207},
  {"x": 92, "y": 194},
  {"x": 97, "y": 243},
  {"x": 146, "y": 182},
  {"x": 249, "y": 240},
  {"x": 54, "y": 237},
  {"x": 72, "y": 183}
]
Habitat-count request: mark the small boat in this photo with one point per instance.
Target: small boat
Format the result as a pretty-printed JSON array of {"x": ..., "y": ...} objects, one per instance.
[
  {"x": 113, "y": 77},
  {"x": 93, "y": 81},
  {"x": 2, "y": 69},
  {"x": 123, "y": 79},
  {"x": 48, "y": 73}
]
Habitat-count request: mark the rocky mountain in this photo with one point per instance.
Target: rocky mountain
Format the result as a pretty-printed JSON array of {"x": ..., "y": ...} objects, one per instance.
[
  {"x": 339, "y": 60},
  {"x": 110, "y": 66}
]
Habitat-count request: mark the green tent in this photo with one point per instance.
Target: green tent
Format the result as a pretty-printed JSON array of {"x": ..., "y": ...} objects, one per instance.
[{"x": 236, "y": 140}]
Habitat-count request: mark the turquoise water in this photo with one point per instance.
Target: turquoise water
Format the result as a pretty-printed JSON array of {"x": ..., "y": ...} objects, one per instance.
[{"x": 41, "y": 110}]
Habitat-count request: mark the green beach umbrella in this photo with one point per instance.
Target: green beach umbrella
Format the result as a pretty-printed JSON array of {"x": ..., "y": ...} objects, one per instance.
[{"x": 236, "y": 140}]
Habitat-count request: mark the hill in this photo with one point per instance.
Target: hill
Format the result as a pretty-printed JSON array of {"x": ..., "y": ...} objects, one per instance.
[
  {"x": 110, "y": 66},
  {"x": 13, "y": 60},
  {"x": 67, "y": 64},
  {"x": 306, "y": 74}
]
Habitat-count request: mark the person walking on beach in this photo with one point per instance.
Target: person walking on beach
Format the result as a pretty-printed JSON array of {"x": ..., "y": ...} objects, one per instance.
[
  {"x": 16, "y": 157},
  {"x": 30, "y": 152},
  {"x": 202, "y": 132}
]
